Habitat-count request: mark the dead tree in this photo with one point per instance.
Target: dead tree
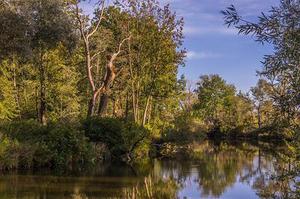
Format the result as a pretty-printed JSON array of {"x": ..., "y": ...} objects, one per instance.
[{"x": 87, "y": 32}]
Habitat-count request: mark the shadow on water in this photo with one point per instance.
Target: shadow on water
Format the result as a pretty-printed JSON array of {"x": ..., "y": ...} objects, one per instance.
[{"x": 213, "y": 170}]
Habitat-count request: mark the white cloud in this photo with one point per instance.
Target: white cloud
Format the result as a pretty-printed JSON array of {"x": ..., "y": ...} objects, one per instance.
[
  {"x": 223, "y": 30},
  {"x": 169, "y": 1},
  {"x": 202, "y": 55}
]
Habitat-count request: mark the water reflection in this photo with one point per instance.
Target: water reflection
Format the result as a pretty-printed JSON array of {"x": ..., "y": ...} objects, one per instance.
[{"x": 212, "y": 171}]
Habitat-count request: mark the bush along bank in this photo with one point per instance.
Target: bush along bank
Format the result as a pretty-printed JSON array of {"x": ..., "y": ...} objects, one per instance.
[
  {"x": 27, "y": 144},
  {"x": 126, "y": 141}
]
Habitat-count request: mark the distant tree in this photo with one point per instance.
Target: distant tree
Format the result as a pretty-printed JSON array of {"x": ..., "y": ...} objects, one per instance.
[
  {"x": 189, "y": 97},
  {"x": 214, "y": 96},
  {"x": 264, "y": 103},
  {"x": 221, "y": 108}
]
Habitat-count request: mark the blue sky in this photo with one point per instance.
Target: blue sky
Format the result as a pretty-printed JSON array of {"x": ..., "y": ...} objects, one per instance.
[{"x": 215, "y": 49}]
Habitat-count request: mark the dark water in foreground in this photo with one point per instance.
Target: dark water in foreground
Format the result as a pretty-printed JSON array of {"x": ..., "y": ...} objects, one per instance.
[{"x": 214, "y": 171}]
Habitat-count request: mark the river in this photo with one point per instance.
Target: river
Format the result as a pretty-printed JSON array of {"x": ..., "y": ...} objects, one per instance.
[{"x": 220, "y": 170}]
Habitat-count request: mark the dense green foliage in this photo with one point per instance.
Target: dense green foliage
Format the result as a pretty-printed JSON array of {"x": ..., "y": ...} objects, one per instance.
[
  {"x": 117, "y": 71},
  {"x": 221, "y": 108},
  {"x": 131, "y": 77},
  {"x": 79, "y": 88},
  {"x": 59, "y": 65},
  {"x": 29, "y": 144},
  {"x": 121, "y": 138}
]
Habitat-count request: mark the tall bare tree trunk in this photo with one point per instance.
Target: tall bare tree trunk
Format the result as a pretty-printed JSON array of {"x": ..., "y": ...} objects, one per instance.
[
  {"x": 92, "y": 102},
  {"x": 103, "y": 104},
  {"x": 127, "y": 106},
  {"x": 37, "y": 102},
  {"x": 85, "y": 35},
  {"x": 16, "y": 89},
  {"x": 259, "y": 115},
  {"x": 146, "y": 111},
  {"x": 42, "y": 108},
  {"x": 87, "y": 31},
  {"x": 134, "y": 103},
  {"x": 137, "y": 105},
  {"x": 134, "y": 88},
  {"x": 108, "y": 80},
  {"x": 92, "y": 105},
  {"x": 150, "y": 110}
]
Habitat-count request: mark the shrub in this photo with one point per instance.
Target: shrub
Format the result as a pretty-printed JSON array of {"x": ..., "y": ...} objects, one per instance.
[
  {"x": 123, "y": 139},
  {"x": 106, "y": 130},
  {"x": 27, "y": 144},
  {"x": 136, "y": 140},
  {"x": 14, "y": 154},
  {"x": 23, "y": 130},
  {"x": 182, "y": 137},
  {"x": 7, "y": 159},
  {"x": 63, "y": 145},
  {"x": 188, "y": 128}
]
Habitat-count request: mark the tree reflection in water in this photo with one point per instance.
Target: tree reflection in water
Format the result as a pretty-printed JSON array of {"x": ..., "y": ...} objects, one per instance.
[
  {"x": 212, "y": 171},
  {"x": 218, "y": 168}
]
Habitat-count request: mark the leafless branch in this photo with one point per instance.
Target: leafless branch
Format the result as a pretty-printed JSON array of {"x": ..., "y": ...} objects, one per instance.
[
  {"x": 102, "y": 5},
  {"x": 80, "y": 23},
  {"x": 96, "y": 54},
  {"x": 120, "y": 47},
  {"x": 118, "y": 73}
]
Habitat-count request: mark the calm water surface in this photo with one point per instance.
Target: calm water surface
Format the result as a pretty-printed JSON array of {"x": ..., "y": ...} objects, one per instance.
[{"x": 213, "y": 171}]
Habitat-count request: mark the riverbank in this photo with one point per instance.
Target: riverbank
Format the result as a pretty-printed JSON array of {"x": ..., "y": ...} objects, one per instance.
[{"x": 27, "y": 144}]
